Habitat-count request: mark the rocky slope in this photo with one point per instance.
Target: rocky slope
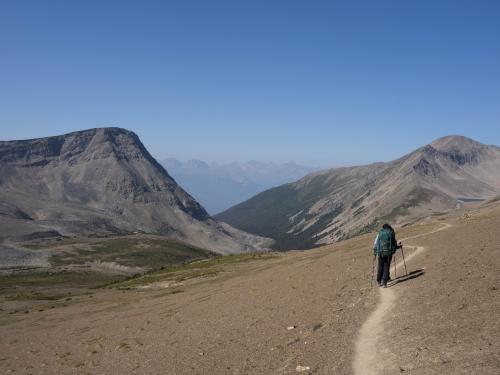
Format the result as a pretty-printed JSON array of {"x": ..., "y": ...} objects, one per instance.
[
  {"x": 330, "y": 205},
  {"x": 102, "y": 181}
]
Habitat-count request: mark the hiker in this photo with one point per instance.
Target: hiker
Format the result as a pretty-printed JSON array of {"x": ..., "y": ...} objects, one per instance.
[{"x": 385, "y": 246}]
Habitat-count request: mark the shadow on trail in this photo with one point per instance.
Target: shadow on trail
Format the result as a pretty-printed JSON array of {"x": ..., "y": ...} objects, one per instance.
[{"x": 403, "y": 278}]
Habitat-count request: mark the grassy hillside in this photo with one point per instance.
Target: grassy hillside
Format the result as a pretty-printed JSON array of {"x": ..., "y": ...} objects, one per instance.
[
  {"x": 94, "y": 262},
  {"x": 268, "y": 213},
  {"x": 152, "y": 252}
]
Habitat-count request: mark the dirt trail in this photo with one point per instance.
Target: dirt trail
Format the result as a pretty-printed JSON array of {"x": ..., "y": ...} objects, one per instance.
[{"x": 371, "y": 333}]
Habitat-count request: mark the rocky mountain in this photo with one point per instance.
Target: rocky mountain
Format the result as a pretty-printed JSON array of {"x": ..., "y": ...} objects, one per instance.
[
  {"x": 219, "y": 186},
  {"x": 102, "y": 181},
  {"x": 335, "y": 204}
]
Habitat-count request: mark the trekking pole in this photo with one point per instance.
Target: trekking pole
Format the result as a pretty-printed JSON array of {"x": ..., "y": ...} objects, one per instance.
[
  {"x": 394, "y": 260},
  {"x": 373, "y": 270},
  {"x": 404, "y": 261}
]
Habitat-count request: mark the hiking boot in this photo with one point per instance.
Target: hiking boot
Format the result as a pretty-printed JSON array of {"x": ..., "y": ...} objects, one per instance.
[
  {"x": 380, "y": 284},
  {"x": 384, "y": 286}
]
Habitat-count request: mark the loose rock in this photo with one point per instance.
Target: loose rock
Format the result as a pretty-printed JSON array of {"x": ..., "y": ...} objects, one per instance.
[{"x": 302, "y": 368}]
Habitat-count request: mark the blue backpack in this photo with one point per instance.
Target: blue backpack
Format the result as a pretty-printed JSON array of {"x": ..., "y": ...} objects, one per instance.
[{"x": 386, "y": 246}]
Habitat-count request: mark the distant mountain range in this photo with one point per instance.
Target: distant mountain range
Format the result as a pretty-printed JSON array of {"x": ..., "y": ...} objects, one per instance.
[
  {"x": 99, "y": 182},
  {"x": 220, "y": 186},
  {"x": 335, "y": 204}
]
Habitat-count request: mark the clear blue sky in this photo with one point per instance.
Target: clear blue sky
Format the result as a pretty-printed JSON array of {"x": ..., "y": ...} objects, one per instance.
[{"x": 316, "y": 82}]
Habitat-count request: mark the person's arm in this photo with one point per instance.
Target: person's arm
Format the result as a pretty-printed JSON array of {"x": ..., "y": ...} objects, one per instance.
[{"x": 398, "y": 246}]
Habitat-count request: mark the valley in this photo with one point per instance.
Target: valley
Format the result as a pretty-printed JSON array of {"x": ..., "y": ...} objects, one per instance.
[{"x": 250, "y": 188}]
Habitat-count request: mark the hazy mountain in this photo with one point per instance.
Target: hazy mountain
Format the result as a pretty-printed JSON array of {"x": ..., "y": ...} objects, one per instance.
[
  {"x": 334, "y": 204},
  {"x": 220, "y": 186},
  {"x": 102, "y": 181}
]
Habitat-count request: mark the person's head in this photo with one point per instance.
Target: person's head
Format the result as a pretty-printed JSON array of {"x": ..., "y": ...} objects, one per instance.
[{"x": 386, "y": 226}]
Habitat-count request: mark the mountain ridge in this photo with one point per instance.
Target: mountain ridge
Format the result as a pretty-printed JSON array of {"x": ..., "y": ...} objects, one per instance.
[{"x": 338, "y": 203}]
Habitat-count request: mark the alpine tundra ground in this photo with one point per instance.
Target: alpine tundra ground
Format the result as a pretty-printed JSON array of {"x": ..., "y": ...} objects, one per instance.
[{"x": 310, "y": 312}]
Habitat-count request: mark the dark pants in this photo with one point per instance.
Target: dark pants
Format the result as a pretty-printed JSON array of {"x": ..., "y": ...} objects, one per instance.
[{"x": 384, "y": 264}]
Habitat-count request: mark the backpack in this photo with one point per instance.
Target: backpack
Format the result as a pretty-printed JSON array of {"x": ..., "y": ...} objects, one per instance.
[{"x": 385, "y": 242}]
